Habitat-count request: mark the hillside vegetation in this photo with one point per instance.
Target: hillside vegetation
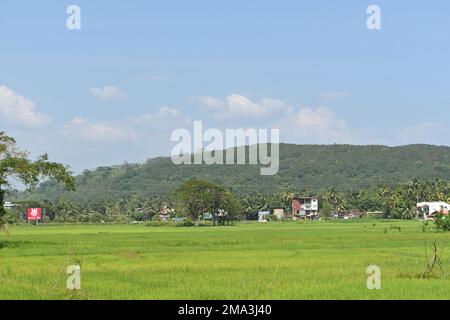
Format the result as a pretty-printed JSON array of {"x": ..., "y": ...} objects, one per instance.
[{"x": 313, "y": 167}]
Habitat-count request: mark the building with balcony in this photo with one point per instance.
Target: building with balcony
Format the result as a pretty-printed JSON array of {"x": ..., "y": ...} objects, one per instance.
[{"x": 305, "y": 208}]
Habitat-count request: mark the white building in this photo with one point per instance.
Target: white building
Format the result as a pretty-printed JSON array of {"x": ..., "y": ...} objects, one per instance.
[
  {"x": 263, "y": 216},
  {"x": 429, "y": 209},
  {"x": 305, "y": 207},
  {"x": 8, "y": 205}
]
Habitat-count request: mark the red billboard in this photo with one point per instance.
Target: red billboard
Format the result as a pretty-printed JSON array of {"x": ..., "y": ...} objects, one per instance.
[{"x": 34, "y": 214}]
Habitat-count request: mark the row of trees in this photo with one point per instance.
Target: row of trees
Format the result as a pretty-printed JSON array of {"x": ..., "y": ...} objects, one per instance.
[
  {"x": 196, "y": 197},
  {"x": 397, "y": 201},
  {"x": 191, "y": 200}
]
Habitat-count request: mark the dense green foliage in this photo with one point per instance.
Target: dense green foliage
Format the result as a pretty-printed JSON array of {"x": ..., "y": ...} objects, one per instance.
[
  {"x": 291, "y": 260},
  {"x": 365, "y": 179},
  {"x": 312, "y": 167},
  {"x": 442, "y": 222},
  {"x": 196, "y": 197}
]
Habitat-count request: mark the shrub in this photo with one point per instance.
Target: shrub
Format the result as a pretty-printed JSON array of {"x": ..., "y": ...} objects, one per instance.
[
  {"x": 442, "y": 222},
  {"x": 186, "y": 223},
  {"x": 95, "y": 217},
  {"x": 157, "y": 224},
  {"x": 46, "y": 220}
]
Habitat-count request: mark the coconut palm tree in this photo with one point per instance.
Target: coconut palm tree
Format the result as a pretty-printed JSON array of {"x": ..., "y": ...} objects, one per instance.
[{"x": 336, "y": 199}]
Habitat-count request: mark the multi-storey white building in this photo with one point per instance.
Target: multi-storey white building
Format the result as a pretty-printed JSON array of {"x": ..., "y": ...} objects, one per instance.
[{"x": 305, "y": 207}]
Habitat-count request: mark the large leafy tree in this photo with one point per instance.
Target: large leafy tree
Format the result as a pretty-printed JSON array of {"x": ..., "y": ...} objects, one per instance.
[
  {"x": 196, "y": 197},
  {"x": 16, "y": 164}
]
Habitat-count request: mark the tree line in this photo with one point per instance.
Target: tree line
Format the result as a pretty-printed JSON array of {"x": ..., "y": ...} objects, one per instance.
[{"x": 195, "y": 197}]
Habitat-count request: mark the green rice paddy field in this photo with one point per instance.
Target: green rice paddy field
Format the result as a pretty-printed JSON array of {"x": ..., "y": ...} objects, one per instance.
[{"x": 291, "y": 260}]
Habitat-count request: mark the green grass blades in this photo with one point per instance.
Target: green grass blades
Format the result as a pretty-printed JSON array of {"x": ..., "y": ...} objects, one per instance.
[{"x": 291, "y": 260}]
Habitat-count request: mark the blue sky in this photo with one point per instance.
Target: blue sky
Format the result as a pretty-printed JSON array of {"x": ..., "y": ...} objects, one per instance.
[{"x": 116, "y": 89}]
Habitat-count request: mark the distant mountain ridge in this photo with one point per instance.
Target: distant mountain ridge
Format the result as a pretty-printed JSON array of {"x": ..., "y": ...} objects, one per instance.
[{"x": 315, "y": 167}]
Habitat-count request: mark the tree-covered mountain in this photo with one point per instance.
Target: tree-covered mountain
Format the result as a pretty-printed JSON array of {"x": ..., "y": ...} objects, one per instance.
[{"x": 313, "y": 167}]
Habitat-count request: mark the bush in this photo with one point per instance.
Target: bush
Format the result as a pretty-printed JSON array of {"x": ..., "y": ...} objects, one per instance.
[
  {"x": 46, "y": 220},
  {"x": 96, "y": 217},
  {"x": 442, "y": 222},
  {"x": 122, "y": 219},
  {"x": 186, "y": 223},
  {"x": 59, "y": 219},
  {"x": 157, "y": 224}
]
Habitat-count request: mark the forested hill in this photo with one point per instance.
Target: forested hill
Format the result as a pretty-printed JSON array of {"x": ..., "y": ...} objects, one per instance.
[{"x": 314, "y": 167}]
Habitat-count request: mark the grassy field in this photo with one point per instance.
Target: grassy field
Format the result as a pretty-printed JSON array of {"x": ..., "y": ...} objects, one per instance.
[{"x": 294, "y": 260}]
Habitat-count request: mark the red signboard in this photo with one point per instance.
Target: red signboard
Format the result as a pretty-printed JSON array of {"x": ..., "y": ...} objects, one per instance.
[{"x": 34, "y": 214}]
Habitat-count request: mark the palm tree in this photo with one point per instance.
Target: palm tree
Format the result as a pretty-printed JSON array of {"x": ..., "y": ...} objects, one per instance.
[
  {"x": 336, "y": 199},
  {"x": 283, "y": 200},
  {"x": 439, "y": 189},
  {"x": 253, "y": 203},
  {"x": 341, "y": 204},
  {"x": 414, "y": 191},
  {"x": 384, "y": 192}
]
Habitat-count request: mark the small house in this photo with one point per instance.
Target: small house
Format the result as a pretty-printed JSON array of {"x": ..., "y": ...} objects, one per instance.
[
  {"x": 279, "y": 214},
  {"x": 347, "y": 215},
  {"x": 263, "y": 215},
  {"x": 165, "y": 213},
  {"x": 9, "y": 205}
]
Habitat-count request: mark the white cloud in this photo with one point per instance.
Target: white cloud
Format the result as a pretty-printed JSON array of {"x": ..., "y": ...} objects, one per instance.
[
  {"x": 139, "y": 130},
  {"x": 17, "y": 109},
  {"x": 319, "y": 125},
  {"x": 108, "y": 93},
  {"x": 212, "y": 103},
  {"x": 164, "y": 118},
  {"x": 96, "y": 132},
  {"x": 237, "y": 105}
]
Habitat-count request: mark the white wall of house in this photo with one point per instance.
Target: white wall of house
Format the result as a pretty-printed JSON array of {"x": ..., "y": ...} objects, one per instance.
[
  {"x": 315, "y": 204},
  {"x": 434, "y": 207}
]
